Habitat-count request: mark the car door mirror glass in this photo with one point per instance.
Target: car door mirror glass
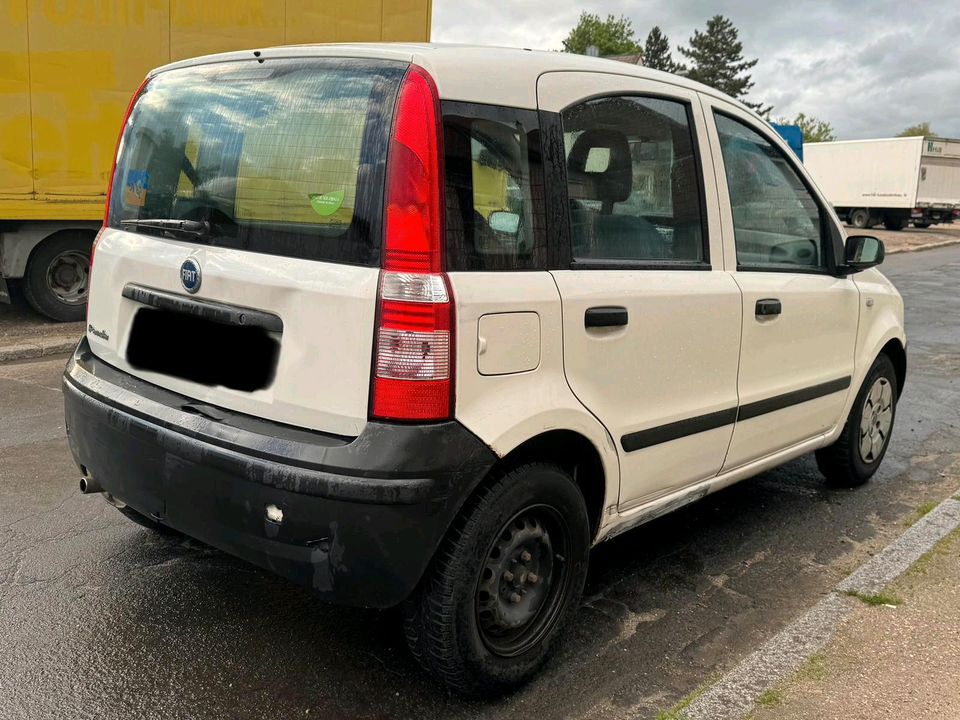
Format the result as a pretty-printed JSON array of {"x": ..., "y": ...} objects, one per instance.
[
  {"x": 507, "y": 223},
  {"x": 863, "y": 251}
]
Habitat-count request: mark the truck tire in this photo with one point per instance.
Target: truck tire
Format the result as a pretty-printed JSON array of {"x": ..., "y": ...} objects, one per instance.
[
  {"x": 893, "y": 222},
  {"x": 58, "y": 275},
  {"x": 860, "y": 218},
  {"x": 921, "y": 225},
  {"x": 505, "y": 581},
  {"x": 855, "y": 456}
]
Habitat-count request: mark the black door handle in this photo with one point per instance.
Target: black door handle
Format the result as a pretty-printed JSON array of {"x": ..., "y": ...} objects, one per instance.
[
  {"x": 768, "y": 306},
  {"x": 609, "y": 316}
]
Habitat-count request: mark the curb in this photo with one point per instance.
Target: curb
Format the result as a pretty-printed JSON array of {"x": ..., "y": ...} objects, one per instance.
[
  {"x": 734, "y": 696},
  {"x": 38, "y": 348},
  {"x": 928, "y": 246}
]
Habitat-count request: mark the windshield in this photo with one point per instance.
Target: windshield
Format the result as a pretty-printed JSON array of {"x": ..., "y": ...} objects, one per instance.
[{"x": 284, "y": 157}]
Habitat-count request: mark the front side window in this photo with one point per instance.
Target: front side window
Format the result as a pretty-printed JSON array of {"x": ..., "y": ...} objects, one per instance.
[
  {"x": 494, "y": 188},
  {"x": 632, "y": 181},
  {"x": 776, "y": 220}
]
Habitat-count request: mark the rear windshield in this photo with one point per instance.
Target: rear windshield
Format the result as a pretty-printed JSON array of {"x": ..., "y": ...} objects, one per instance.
[{"x": 283, "y": 157}]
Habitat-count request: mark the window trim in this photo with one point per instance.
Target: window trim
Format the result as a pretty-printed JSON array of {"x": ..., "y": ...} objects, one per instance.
[
  {"x": 555, "y": 168},
  {"x": 827, "y": 236}
]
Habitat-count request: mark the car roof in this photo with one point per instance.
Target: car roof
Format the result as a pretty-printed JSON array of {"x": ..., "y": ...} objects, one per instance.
[{"x": 469, "y": 73}]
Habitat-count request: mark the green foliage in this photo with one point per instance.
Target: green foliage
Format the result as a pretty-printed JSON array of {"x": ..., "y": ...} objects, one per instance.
[
  {"x": 716, "y": 59},
  {"x": 656, "y": 52},
  {"x": 814, "y": 129},
  {"x": 770, "y": 699},
  {"x": 919, "y": 130},
  {"x": 875, "y": 600},
  {"x": 613, "y": 36}
]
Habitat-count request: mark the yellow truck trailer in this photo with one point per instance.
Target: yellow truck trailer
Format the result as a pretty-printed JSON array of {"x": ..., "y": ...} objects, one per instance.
[{"x": 67, "y": 71}]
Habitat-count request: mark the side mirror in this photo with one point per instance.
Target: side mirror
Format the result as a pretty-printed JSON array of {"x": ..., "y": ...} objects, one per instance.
[
  {"x": 862, "y": 252},
  {"x": 504, "y": 222}
]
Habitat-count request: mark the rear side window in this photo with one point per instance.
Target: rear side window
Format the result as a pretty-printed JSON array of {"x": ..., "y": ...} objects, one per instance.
[
  {"x": 284, "y": 157},
  {"x": 494, "y": 188},
  {"x": 633, "y": 181}
]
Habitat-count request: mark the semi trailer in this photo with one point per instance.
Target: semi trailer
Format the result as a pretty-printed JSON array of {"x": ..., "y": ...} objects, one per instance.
[
  {"x": 69, "y": 72},
  {"x": 893, "y": 181}
]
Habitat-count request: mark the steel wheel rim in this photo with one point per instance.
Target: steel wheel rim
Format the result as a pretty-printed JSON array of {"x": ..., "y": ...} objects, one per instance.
[
  {"x": 519, "y": 594},
  {"x": 876, "y": 420},
  {"x": 68, "y": 275}
]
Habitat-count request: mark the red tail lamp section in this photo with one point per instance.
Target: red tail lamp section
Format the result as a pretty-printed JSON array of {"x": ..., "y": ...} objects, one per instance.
[{"x": 414, "y": 355}]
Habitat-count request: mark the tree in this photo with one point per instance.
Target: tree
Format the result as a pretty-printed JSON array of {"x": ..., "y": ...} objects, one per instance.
[
  {"x": 656, "y": 52},
  {"x": 918, "y": 130},
  {"x": 814, "y": 129},
  {"x": 613, "y": 36},
  {"x": 716, "y": 59}
]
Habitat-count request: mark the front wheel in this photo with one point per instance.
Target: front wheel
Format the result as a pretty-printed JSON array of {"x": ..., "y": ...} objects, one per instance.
[
  {"x": 858, "y": 452},
  {"x": 504, "y": 583}
]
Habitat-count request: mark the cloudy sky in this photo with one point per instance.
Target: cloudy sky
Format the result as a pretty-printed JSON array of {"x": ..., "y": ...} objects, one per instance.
[{"x": 870, "y": 68}]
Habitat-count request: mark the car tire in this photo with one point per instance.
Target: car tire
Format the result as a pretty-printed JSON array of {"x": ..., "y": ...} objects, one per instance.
[
  {"x": 860, "y": 218},
  {"x": 894, "y": 223},
  {"x": 526, "y": 538},
  {"x": 57, "y": 278},
  {"x": 858, "y": 452}
]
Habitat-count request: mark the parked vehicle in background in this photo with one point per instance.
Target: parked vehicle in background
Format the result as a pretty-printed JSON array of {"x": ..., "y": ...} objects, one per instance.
[
  {"x": 69, "y": 71},
  {"x": 408, "y": 336},
  {"x": 893, "y": 181}
]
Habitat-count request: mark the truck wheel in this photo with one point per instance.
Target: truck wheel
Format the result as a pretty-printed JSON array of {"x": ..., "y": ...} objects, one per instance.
[
  {"x": 858, "y": 452},
  {"x": 860, "y": 218},
  {"x": 58, "y": 276},
  {"x": 892, "y": 222},
  {"x": 503, "y": 584},
  {"x": 921, "y": 225}
]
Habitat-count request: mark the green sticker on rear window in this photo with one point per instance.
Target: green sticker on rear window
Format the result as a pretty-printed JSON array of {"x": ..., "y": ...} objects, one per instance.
[{"x": 327, "y": 203}]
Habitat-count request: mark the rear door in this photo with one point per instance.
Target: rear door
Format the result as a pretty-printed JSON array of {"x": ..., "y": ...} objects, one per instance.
[
  {"x": 651, "y": 323},
  {"x": 277, "y": 168},
  {"x": 799, "y": 318}
]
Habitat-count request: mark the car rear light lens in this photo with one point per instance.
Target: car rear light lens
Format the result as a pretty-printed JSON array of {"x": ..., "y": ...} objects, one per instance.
[
  {"x": 414, "y": 357},
  {"x": 116, "y": 154}
]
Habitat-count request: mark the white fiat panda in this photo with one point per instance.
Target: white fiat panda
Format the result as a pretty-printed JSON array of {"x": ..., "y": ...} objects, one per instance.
[{"x": 419, "y": 325}]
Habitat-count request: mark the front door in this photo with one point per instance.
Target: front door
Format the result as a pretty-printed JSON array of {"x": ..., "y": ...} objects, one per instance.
[
  {"x": 651, "y": 322},
  {"x": 799, "y": 317}
]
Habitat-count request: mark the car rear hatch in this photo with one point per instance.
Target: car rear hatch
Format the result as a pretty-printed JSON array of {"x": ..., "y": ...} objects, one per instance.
[{"x": 239, "y": 262}]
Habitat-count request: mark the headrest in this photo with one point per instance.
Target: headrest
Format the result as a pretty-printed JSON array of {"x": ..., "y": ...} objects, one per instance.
[{"x": 610, "y": 182}]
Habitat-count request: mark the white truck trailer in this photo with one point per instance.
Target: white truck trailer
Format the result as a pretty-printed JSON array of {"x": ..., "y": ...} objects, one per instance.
[{"x": 892, "y": 181}]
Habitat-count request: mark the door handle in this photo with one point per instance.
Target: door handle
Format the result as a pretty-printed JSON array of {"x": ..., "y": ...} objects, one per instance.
[
  {"x": 607, "y": 316},
  {"x": 768, "y": 306}
]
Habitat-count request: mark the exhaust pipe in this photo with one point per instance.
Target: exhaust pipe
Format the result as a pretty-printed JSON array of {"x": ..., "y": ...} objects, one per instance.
[{"x": 89, "y": 485}]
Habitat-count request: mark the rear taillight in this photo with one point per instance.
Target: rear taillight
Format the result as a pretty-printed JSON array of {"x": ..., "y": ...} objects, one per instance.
[
  {"x": 113, "y": 169},
  {"x": 414, "y": 354}
]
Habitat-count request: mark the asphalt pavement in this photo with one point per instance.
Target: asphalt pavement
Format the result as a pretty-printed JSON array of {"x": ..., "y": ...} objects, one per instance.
[{"x": 100, "y": 618}]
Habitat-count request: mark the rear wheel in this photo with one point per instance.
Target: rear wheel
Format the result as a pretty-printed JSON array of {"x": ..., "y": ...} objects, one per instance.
[
  {"x": 58, "y": 276},
  {"x": 859, "y": 450},
  {"x": 504, "y": 583},
  {"x": 921, "y": 225},
  {"x": 859, "y": 218}
]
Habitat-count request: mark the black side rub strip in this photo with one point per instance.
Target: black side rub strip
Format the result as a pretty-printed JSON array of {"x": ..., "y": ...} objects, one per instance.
[
  {"x": 762, "y": 407},
  {"x": 678, "y": 429},
  {"x": 218, "y": 312},
  {"x": 711, "y": 421}
]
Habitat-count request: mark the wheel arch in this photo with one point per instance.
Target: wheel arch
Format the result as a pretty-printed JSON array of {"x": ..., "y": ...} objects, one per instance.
[
  {"x": 20, "y": 244},
  {"x": 577, "y": 455},
  {"x": 894, "y": 350}
]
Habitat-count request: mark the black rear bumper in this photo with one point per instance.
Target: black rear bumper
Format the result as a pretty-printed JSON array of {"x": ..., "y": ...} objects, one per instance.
[{"x": 361, "y": 516}]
